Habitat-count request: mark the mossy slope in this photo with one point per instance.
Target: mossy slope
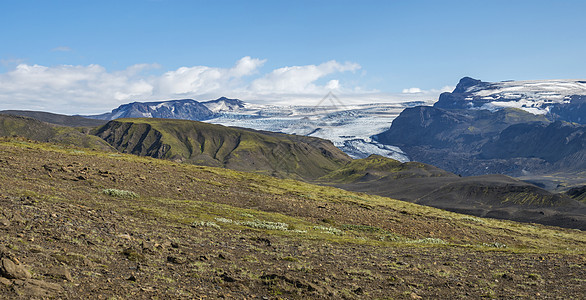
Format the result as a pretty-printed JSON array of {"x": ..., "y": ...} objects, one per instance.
[
  {"x": 11, "y": 125},
  {"x": 496, "y": 196},
  {"x": 215, "y": 145}
]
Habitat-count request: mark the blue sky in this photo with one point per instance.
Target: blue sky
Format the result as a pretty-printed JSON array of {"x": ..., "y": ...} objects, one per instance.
[{"x": 91, "y": 56}]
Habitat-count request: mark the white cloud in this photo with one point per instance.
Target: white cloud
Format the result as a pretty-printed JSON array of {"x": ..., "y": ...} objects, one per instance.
[
  {"x": 61, "y": 49},
  {"x": 300, "y": 79},
  {"x": 412, "y": 91},
  {"x": 446, "y": 88},
  {"x": 203, "y": 80},
  {"x": 70, "y": 89},
  {"x": 246, "y": 66},
  {"x": 92, "y": 89}
]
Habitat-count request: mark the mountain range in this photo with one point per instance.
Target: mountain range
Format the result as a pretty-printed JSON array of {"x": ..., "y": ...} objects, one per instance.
[
  {"x": 315, "y": 160},
  {"x": 480, "y": 129},
  {"x": 150, "y": 205},
  {"x": 349, "y": 127}
]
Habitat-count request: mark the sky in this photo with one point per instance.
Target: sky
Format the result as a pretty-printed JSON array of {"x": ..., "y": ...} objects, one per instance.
[{"x": 86, "y": 57}]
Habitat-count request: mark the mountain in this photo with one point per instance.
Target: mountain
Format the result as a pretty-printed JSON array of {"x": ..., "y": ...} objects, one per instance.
[
  {"x": 172, "y": 109},
  {"x": 33, "y": 129},
  {"x": 223, "y": 104},
  {"x": 495, "y": 196},
  {"x": 56, "y": 119},
  {"x": 559, "y": 99},
  {"x": 349, "y": 127},
  {"x": 560, "y": 143},
  {"x": 217, "y": 145},
  {"x": 92, "y": 224},
  {"x": 512, "y": 128}
]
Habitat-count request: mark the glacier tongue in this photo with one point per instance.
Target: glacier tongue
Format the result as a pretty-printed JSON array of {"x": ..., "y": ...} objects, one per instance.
[
  {"x": 350, "y": 127},
  {"x": 359, "y": 148}
]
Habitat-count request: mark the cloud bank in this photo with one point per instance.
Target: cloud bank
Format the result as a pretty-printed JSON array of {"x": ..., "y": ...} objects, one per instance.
[{"x": 93, "y": 89}]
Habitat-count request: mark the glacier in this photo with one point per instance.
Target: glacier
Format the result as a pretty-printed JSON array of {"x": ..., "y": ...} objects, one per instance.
[{"x": 349, "y": 128}]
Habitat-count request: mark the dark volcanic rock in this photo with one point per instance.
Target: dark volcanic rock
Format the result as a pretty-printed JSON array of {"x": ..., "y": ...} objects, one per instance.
[{"x": 552, "y": 143}]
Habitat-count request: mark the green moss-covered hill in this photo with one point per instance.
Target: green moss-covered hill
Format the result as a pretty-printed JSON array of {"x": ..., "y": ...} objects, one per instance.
[
  {"x": 215, "y": 145},
  {"x": 12, "y": 125},
  {"x": 56, "y": 119},
  {"x": 85, "y": 224}
]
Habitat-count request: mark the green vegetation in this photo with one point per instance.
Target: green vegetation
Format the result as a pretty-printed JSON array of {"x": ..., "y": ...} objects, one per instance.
[
  {"x": 201, "y": 204},
  {"x": 377, "y": 167},
  {"x": 120, "y": 193},
  {"x": 215, "y": 145},
  {"x": 43, "y": 132}
]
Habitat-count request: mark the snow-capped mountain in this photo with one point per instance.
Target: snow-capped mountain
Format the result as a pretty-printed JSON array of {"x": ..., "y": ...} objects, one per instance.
[
  {"x": 172, "y": 109},
  {"x": 224, "y": 104},
  {"x": 188, "y": 109},
  {"x": 534, "y": 96},
  {"x": 518, "y": 128}
]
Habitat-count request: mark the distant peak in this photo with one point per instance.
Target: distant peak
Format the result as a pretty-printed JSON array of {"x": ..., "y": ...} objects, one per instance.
[
  {"x": 465, "y": 83},
  {"x": 226, "y": 99}
]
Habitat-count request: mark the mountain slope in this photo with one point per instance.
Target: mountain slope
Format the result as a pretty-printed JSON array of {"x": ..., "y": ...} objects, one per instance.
[
  {"x": 495, "y": 196},
  {"x": 93, "y": 224},
  {"x": 453, "y": 139},
  {"x": 216, "y": 145},
  {"x": 11, "y": 125},
  {"x": 223, "y": 105},
  {"x": 57, "y": 119}
]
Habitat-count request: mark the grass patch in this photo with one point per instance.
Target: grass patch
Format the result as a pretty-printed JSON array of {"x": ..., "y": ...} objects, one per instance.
[{"x": 120, "y": 193}]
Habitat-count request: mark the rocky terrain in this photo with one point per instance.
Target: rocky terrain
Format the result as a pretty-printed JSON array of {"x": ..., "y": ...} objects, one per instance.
[{"x": 77, "y": 223}]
